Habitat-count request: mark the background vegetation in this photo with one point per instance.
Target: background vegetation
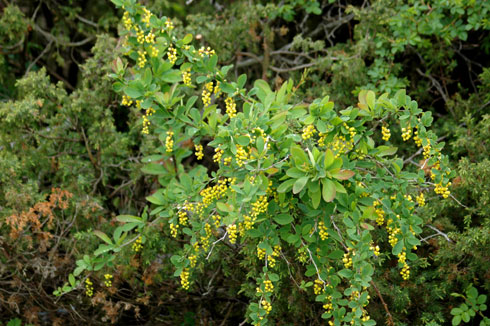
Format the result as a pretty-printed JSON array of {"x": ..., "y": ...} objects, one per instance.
[{"x": 71, "y": 154}]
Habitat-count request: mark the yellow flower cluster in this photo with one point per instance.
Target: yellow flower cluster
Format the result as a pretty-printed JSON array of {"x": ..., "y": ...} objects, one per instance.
[
  {"x": 108, "y": 280},
  {"x": 173, "y": 230},
  {"x": 392, "y": 239},
  {"x": 352, "y": 131},
  {"x": 205, "y": 239},
  {"x": 260, "y": 253},
  {"x": 146, "y": 120},
  {"x": 321, "y": 140},
  {"x": 308, "y": 132},
  {"x": 347, "y": 260},
  {"x": 248, "y": 222},
  {"x": 141, "y": 58},
  {"x": 150, "y": 38},
  {"x": 271, "y": 260},
  {"x": 420, "y": 199},
  {"x": 172, "y": 54},
  {"x": 186, "y": 77},
  {"x": 126, "y": 100},
  {"x": 184, "y": 279},
  {"x": 443, "y": 190},
  {"x": 427, "y": 149},
  {"x": 260, "y": 206},
  {"x": 386, "y": 133},
  {"x": 267, "y": 306},
  {"x": 302, "y": 256},
  {"x": 322, "y": 229},
  {"x": 205, "y": 51},
  {"x": 328, "y": 306},
  {"x": 217, "y": 89},
  {"x": 206, "y": 94},
  {"x": 318, "y": 287},
  {"x": 193, "y": 260},
  {"x": 199, "y": 151},
  {"x": 154, "y": 51},
  {"x": 406, "y": 133},
  {"x": 230, "y": 107},
  {"x": 218, "y": 153},
  {"x": 140, "y": 35},
  {"x": 146, "y": 17},
  {"x": 417, "y": 139},
  {"x": 375, "y": 250},
  {"x": 341, "y": 145},
  {"x": 169, "y": 25},
  {"x": 128, "y": 23},
  {"x": 169, "y": 142},
  {"x": 137, "y": 246},
  {"x": 183, "y": 218},
  {"x": 402, "y": 259},
  {"x": 217, "y": 221},
  {"x": 268, "y": 286},
  {"x": 227, "y": 160},
  {"x": 216, "y": 192},
  {"x": 232, "y": 233},
  {"x": 380, "y": 212},
  {"x": 241, "y": 155},
  {"x": 89, "y": 287}
]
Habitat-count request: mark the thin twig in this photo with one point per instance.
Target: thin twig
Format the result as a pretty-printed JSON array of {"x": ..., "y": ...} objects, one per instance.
[
  {"x": 440, "y": 232},
  {"x": 390, "y": 317}
]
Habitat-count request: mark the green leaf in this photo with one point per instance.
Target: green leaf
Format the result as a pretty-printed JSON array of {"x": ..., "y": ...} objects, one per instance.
[
  {"x": 299, "y": 156},
  {"x": 456, "y": 320},
  {"x": 346, "y": 273},
  {"x": 224, "y": 207},
  {"x": 187, "y": 39},
  {"x": 328, "y": 191},
  {"x": 241, "y": 80},
  {"x": 386, "y": 150},
  {"x": 135, "y": 89},
  {"x": 295, "y": 173},
  {"x": 343, "y": 174},
  {"x": 283, "y": 219},
  {"x": 398, "y": 247},
  {"x": 456, "y": 311},
  {"x": 336, "y": 254},
  {"x": 286, "y": 186},
  {"x": 157, "y": 198},
  {"x": 329, "y": 158},
  {"x": 102, "y": 249},
  {"x": 472, "y": 293},
  {"x": 316, "y": 197},
  {"x": 481, "y": 299},
  {"x": 71, "y": 279},
  {"x": 370, "y": 99},
  {"x": 128, "y": 218},
  {"x": 102, "y": 236},
  {"x": 299, "y": 184},
  {"x": 243, "y": 140},
  {"x": 154, "y": 168},
  {"x": 172, "y": 76}
]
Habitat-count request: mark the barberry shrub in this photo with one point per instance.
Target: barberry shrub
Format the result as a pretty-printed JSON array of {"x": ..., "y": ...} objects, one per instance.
[{"x": 289, "y": 187}]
